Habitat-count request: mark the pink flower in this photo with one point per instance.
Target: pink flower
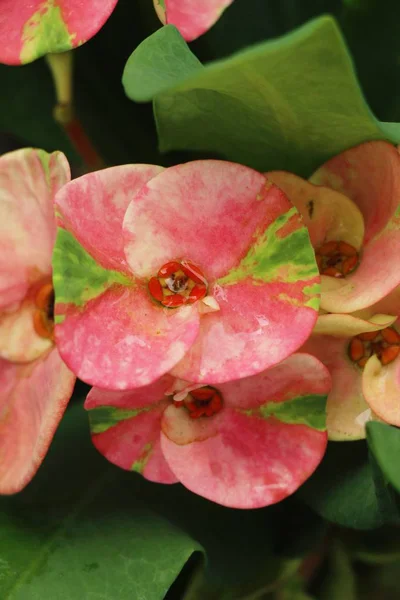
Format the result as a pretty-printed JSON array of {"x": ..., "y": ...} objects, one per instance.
[
  {"x": 352, "y": 209},
  {"x": 35, "y": 385},
  {"x": 29, "y": 30},
  {"x": 204, "y": 268},
  {"x": 243, "y": 444}
]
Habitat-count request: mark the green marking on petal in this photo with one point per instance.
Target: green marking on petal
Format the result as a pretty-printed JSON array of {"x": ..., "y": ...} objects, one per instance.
[
  {"x": 77, "y": 277},
  {"x": 44, "y": 158},
  {"x": 140, "y": 464},
  {"x": 104, "y": 417},
  {"x": 45, "y": 32},
  {"x": 307, "y": 410},
  {"x": 274, "y": 257}
]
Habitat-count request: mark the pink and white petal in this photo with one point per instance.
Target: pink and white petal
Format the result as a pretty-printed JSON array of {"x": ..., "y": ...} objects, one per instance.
[
  {"x": 256, "y": 327},
  {"x": 206, "y": 211},
  {"x": 126, "y": 428},
  {"x": 249, "y": 462},
  {"x": 376, "y": 276},
  {"x": 93, "y": 207},
  {"x": 381, "y": 387},
  {"x": 328, "y": 214},
  {"x": 122, "y": 340},
  {"x": 33, "y": 398},
  {"x": 369, "y": 174},
  {"x": 347, "y": 411},
  {"x": 191, "y": 17},
  {"x": 29, "y": 180},
  {"x": 342, "y": 325},
  {"x": 19, "y": 341},
  {"x": 29, "y": 30}
]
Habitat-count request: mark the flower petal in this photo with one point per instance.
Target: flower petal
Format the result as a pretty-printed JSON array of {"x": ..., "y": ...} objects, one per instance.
[
  {"x": 29, "y": 179},
  {"x": 369, "y": 174},
  {"x": 33, "y": 398},
  {"x": 252, "y": 457},
  {"x": 341, "y": 325},
  {"x": 29, "y": 30},
  {"x": 121, "y": 340},
  {"x": 205, "y": 211},
  {"x": 328, "y": 214},
  {"x": 381, "y": 387},
  {"x": 268, "y": 307},
  {"x": 126, "y": 428},
  {"x": 191, "y": 17},
  {"x": 347, "y": 411},
  {"x": 93, "y": 207}
]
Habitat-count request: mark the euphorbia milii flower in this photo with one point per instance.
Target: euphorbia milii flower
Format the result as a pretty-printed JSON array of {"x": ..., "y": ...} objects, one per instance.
[
  {"x": 243, "y": 444},
  {"x": 204, "y": 268},
  {"x": 35, "y": 385},
  {"x": 352, "y": 206}
]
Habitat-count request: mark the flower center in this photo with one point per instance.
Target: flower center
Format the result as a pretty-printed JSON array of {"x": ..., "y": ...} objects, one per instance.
[
  {"x": 385, "y": 344},
  {"x": 337, "y": 259},
  {"x": 203, "y": 402},
  {"x": 43, "y": 316},
  {"x": 178, "y": 283}
]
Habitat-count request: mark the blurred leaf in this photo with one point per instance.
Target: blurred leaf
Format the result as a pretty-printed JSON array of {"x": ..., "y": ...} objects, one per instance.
[
  {"x": 274, "y": 106},
  {"x": 343, "y": 489},
  {"x": 377, "y": 547},
  {"x": 384, "y": 442},
  {"x": 340, "y": 582}
]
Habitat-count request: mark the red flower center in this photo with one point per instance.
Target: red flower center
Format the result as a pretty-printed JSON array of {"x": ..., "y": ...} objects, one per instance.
[
  {"x": 337, "y": 259},
  {"x": 203, "y": 402},
  {"x": 178, "y": 283},
  {"x": 385, "y": 344},
  {"x": 43, "y": 316}
]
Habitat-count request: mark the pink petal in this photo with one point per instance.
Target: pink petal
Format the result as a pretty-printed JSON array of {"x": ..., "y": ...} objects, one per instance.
[
  {"x": 205, "y": 211},
  {"x": 257, "y": 326},
  {"x": 328, "y": 215},
  {"x": 29, "y": 179},
  {"x": 381, "y": 387},
  {"x": 121, "y": 340},
  {"x": 29, "y": 30},
  {"x": 126, "y": 428},
  {"x": 248, "y": 459},
  {"x": 32, "y": 401},
  {"x": 347, "y": 411},
  {"x": 92, "y": 207},
  {"x": 191, "y": 17},
  {"x": 19, "y": 341},
  {"x": 368, "y": 174}
]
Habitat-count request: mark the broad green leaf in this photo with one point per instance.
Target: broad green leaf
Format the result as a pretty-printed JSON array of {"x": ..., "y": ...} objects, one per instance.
[
  {"x": 80, "y": 531},
  {"x": 384, "y": 443},
  {"x": 343, "y": 489},
  {"x": 289, "y": 103}
]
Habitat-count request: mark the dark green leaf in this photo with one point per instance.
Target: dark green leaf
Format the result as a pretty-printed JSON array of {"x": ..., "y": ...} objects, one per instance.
[
  {"x": 384, "y": 442},
  {"x": 339, "y": 583},
  {"x": 286, "y": 104}
]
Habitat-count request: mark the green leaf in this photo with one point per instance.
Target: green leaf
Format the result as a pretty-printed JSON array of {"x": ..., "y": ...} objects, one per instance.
[
  {"x": 142, "y": 80},
  {"x": 384, "y": 443},
  {"x": 289, "y": 103},
  {"x": 340, "y": 582},
  {"x": 343, "y": 489},
  {"x": 378, "y": 547},
  {"x": 81, "y": 531}
]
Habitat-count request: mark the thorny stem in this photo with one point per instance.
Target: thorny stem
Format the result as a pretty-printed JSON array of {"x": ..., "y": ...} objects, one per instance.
[{"x": 61, "y": 67}]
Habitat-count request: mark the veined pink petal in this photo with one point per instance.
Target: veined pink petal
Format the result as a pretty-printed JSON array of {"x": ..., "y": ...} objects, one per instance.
[
  {"x": 381, "y": 387},
  {"x": 191, "y": 17},
  {"x": 328, "y": 214},
  {"x": 31, "y": 29},
  {"x": 126, "y": 428},
  {"x": 19, "y": 341},
  {"x": 205, "y": 211},
  {"x": 29, "y": 179},
  {"x": 33, "y": 398},
  {"x": 121, "y": 340},
  {"x": 369, "y": 174},
  {"x": 254, "y": 454},
  {"x": 258, "y": 325},
  {"x": 92, "y": 207},
  {"x": 347, "y": 410}
]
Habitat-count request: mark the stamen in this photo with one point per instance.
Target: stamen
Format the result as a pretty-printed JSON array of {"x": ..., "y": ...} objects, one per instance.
[
  {"x": 177, "y": 284},
  {"x": 202, "y": 402},
  {"x": 43, "y": 316},
  {"x": 384, "y": 344},
  {"x": 337, "y": 259}
]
